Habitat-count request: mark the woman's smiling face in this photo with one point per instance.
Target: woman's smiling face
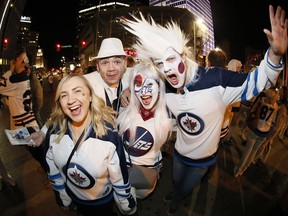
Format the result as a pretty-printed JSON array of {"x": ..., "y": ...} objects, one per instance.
[{"x": 75, "y": 99}]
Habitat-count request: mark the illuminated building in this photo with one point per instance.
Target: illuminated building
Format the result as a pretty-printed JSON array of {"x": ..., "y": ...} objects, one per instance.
[
  {"x": 27, "y": 40},
  {"x": 201, "y": 9}
]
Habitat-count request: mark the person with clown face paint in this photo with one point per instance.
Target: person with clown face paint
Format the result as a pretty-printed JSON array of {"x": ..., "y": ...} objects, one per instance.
[
  {"x": 198, "y": 97},
  {"x": 145, "y": 124}
]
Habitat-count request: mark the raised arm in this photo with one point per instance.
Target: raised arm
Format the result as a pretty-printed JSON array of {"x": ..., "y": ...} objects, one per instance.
[{"x": 277, "y": 37}]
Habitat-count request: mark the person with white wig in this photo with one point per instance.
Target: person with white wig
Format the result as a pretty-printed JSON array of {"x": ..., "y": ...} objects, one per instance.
[
  {"x": 145, "y": 126},
  {"x": 198, "y": 97}
]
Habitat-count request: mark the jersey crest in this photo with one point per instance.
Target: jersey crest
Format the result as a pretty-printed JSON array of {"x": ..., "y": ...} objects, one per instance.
[
  {"x": 79, "y": 177},
  {"x": 144, "y": 141},
  {"x": 190, "y": 123}
]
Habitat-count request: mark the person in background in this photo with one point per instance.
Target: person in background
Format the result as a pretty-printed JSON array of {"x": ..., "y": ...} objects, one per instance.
[
  {"x": 276, "y": 178},
  {"x": 15, "y": 84},
  {"x": 235, "y": 65},
  {"x": 78, "y": 70},
  {"x": 198, "y": 97},
  {"x": 37, "y": 95},
  {"x": 97, "y": 171},
  {"x": 216, "y": 58},
  {"x": 281, "y": 121},
  {"x": 283, "y": 104},
  {"x": 50, "y": 79},
  {"x": 145, "y": 120},
  {"x": 267, "y": 105}
]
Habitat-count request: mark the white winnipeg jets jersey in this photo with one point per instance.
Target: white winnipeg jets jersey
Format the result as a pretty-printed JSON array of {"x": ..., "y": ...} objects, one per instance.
[
  {"x": 199, "y": 111},
  {"x": 144, "y": 150},
  {"x": 96, "y": 170},
  {"x": 17, "y": 88},
  {"x": 267, "y": 115}
]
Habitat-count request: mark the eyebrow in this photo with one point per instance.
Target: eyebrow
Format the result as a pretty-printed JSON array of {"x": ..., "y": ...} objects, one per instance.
[
  {"x": 72, "y": 89},
  {"x": 111, "y": 58},
  {"x": 77, "y": 87}
]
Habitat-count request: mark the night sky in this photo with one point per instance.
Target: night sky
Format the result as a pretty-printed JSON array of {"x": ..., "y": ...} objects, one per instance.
[{"x": 242, "y": 22}]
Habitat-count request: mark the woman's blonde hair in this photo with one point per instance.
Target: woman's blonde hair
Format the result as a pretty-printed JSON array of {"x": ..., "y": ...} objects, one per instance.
[
  {"x": 100, "y": 113},
  {"x": 127, "y": 118}
]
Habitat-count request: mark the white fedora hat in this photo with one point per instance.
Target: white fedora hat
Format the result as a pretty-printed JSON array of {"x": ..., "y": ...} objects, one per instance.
[{"x": 111, "y": 47}]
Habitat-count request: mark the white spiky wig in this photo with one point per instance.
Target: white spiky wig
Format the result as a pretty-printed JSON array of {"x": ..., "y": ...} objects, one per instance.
[
  {"x": 129, "y": 118},
  {"x": 153, "y": 39}
]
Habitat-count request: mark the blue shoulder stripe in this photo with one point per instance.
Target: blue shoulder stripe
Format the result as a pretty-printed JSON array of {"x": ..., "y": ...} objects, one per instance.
[{"x": 255, "y": 90}]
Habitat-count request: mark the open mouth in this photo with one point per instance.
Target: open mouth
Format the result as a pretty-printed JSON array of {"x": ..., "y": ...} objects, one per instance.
[
  {"x": 173, "y": 79},
  {"x": 75, "y": 110},
  {"x": 146, "y": 100}
]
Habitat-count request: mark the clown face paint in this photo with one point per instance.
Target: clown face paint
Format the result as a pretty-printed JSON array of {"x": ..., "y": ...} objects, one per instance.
[
  {"x": 146, "y": 91},
  {"x": 172, "y": 67}
]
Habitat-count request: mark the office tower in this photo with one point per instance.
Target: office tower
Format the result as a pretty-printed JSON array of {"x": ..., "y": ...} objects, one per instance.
[{"x": 201, "y": 9}]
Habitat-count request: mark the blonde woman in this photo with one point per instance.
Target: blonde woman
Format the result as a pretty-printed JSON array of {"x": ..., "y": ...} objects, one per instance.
[
  {"x": 87, "y": 167},
  {"x": 145, "y": 126}
]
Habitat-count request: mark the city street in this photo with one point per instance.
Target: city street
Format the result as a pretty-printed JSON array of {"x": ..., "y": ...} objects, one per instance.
[{"x": 222, "y": 195}]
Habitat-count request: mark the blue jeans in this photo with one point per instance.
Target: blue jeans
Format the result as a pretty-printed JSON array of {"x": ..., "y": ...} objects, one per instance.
[{"x": 185, "y": 178}]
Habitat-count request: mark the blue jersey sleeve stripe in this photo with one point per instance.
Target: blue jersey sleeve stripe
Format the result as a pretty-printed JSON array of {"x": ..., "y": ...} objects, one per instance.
[
  {"x": 58, "y": 187},
  {"x": 54, "y": 177},
  {"x": 255, "y": 90},
  {"x": 122, "y": 187},
  {"x": 243, "y": 96},
  {"x": 271, "y": 65}
]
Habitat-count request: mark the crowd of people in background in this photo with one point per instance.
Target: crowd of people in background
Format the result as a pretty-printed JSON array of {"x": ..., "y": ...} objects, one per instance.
[{"x": 117, "y": 115}]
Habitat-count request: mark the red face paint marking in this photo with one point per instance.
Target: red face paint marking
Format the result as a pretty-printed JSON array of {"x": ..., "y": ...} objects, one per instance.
[
  {"x": 181, "y": 67},
  {"x": 138, "y": 80}
]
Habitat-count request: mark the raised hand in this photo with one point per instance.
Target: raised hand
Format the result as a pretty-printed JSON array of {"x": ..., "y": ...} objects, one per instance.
[{"x": 277, "y": 37}]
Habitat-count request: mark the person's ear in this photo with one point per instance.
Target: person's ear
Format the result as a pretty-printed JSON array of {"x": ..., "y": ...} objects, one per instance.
[{"x": 97, "y": 66}]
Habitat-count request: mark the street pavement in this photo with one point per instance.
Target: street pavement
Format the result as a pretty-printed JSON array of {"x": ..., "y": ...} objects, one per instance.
[{"x": 221, "y": 195}]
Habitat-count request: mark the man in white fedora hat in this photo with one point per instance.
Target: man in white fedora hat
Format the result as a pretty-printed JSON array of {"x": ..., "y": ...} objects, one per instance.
[{"x": 111, "y": 63}]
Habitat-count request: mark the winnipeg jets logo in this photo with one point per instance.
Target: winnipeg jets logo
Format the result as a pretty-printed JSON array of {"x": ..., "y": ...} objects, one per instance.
[
  {"x": 79, "y": 176},
  {"x": 144, "y": 141},
  {"x": 190, "y": 123}
]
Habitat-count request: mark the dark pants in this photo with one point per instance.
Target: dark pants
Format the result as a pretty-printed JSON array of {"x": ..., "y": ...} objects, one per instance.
[{"x": 106, "y": 209}]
